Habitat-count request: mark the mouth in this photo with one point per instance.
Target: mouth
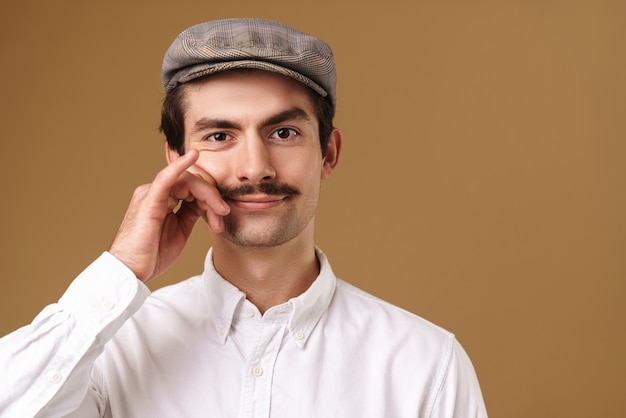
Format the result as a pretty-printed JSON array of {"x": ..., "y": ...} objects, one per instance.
[
  {"x": 257, "y": 198},
  {"x": 256, "y": 202}
]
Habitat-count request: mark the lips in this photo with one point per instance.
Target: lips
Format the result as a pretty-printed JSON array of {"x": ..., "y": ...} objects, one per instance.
[
  {"x": 256, "y": 202},
  {"x": 259, "y": 197}
]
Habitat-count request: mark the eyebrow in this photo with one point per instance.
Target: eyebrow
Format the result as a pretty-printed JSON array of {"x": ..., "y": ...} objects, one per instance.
[{"x": 295, "y": 113}]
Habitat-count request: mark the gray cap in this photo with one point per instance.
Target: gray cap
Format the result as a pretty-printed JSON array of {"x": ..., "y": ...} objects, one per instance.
[{"x": 222, "y": 45}]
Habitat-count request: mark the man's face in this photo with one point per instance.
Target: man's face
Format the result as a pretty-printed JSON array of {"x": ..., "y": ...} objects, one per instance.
[{"x": 257, "y": 133}]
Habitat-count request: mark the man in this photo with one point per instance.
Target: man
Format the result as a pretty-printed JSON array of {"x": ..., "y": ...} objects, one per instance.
[{"x": 267, "y": 330}]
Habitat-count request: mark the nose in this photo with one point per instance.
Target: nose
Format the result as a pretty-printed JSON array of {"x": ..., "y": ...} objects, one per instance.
[{"x": 254, "y": 163}]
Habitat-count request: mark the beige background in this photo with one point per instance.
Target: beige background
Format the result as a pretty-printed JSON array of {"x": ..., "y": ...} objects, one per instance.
[{"x": 481, "y": 186}]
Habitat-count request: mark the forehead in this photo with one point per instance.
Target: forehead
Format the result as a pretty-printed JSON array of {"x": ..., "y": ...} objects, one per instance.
[{"x": 246, "y": 92}]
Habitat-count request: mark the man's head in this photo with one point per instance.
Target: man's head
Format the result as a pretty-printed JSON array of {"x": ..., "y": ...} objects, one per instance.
[
  {"x": 229, "y": 44},
  {"x": 256, "y": 99}
]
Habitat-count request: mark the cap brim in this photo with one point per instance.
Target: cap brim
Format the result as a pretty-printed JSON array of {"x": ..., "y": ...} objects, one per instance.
[{"x": 200, "y": 70}]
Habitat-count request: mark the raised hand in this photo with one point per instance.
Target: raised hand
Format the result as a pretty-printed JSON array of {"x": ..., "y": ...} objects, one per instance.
[{"x": 153, "y": 234}]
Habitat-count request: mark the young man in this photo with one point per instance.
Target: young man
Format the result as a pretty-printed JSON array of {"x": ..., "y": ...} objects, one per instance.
[{"x": 267, "y": 330}]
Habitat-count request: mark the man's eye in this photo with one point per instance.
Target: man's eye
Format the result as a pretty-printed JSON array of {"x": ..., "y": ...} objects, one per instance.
[
  {"x": 218, "y": 137},
  {"x": 284, "y": 133}
]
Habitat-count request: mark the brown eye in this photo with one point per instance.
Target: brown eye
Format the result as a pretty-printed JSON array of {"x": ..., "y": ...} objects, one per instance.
[
  {"x": 218, "y": 137},
  {"x": 284, "y": 133}
]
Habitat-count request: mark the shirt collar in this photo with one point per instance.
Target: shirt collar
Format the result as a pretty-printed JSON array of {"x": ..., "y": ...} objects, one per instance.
[{"x": 306, "y": 309}]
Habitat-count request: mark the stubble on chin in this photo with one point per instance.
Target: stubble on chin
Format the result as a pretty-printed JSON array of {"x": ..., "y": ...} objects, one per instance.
[{"x": 260, "y": 231}]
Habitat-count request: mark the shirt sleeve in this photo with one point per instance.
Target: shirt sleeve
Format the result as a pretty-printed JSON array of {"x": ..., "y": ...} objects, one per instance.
[
  {"x": 458, "y": 394},
  {"x": 46, "y": 365}
]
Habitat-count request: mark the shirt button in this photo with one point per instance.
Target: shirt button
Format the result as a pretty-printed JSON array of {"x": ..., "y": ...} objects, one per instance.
[
  {"x": 108, "y": 304},
  {"x": 222, "y": 330},
  {"x": 257, "y": 371},
  {"x": 299, "y": 335},
  {"x": 55, "y": 377},
  {"x": 249, "y": 312}
]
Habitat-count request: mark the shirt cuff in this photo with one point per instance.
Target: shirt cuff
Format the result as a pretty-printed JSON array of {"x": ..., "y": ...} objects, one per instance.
[{"x": 104, "y": 296}]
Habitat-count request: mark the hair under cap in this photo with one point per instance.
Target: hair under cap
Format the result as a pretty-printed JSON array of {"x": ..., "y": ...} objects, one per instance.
[{"x": 228, "y": 44}]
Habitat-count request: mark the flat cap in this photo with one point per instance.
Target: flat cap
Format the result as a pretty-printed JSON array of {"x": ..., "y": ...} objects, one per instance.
[{"x": 227, "y": 44}]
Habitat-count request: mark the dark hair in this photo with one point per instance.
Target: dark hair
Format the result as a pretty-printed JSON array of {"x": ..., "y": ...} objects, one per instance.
[{"x": 173, "y": 118}]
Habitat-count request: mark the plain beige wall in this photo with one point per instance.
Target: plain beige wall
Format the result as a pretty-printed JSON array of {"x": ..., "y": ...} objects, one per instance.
[{"x": 481, "y": 184}]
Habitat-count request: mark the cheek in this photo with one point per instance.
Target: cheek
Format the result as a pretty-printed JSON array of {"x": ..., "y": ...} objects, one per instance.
[
  {"x": 217, "y": 168},
  {"x": 307, "y": 178},
  {"x": 299, "y": 169}
]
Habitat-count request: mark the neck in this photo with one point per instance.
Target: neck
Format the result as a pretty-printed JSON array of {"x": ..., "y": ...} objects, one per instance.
[{"x": 268, "y": 276}]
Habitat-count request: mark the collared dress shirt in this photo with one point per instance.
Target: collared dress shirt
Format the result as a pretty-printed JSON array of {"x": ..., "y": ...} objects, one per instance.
[{"x": 199, "y": 348}]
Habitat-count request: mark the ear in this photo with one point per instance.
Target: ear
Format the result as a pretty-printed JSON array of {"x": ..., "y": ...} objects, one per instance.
[
  {"x": 170, "y": 154},
  {"x": 333, "y": 149}
]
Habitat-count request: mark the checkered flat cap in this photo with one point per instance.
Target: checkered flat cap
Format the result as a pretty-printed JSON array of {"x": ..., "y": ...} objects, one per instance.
[{"x": 222, "y": 45}]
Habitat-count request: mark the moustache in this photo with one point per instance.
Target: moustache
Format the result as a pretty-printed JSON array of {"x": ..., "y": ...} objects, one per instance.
[{"x": 271, "y": 189}]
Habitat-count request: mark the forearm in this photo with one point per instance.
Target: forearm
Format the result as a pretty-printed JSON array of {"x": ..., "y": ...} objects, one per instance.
[{"x": 46, "y": 365}]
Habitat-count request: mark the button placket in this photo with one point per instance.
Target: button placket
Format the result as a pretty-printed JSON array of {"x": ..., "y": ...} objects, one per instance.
[{"x": 257, "y": 387}]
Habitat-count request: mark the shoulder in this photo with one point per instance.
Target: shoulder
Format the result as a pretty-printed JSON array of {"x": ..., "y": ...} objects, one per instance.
[
  {"x": 388, "y": 320},
  {"x": 422, "y": 356}
]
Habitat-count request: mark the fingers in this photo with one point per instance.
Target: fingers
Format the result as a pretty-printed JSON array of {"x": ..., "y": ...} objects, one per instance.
[
  {"x": 169, "y": 176},
  {"x": 192, "y": 187},
  {"x": 189, "y": 212},
  {"x": 184, "y": 181}
]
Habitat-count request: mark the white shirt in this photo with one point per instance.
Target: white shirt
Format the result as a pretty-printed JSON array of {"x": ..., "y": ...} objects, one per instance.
[{"x": 201, "y": 349}]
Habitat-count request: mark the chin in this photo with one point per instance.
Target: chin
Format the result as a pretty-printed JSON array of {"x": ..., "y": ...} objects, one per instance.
[
  {"x": 257, "y": 242},
  {"x": 259, "y": 236}
]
